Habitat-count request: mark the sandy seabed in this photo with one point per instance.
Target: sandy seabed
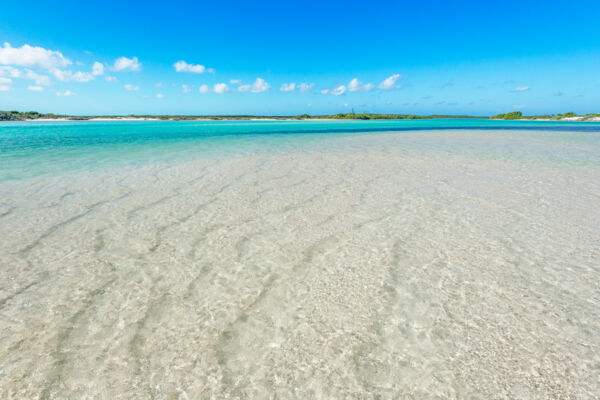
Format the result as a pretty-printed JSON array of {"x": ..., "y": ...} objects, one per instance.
[{"x": 362, "y": 271}]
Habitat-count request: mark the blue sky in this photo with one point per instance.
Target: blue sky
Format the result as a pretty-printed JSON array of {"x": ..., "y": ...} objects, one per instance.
[{"x": 281, "y": 58}]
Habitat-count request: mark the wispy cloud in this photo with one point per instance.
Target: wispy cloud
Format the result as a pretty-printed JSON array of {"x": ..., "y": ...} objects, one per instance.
[
  {"x": 110, "y": 78},
  {"x": 69, "y": 76},
  {"x": 305, "y": 87},
  {"x": 65, "y": 93},
  {"x": 35, "y": 88},
  {"x": 390, "y": 82},
  {"x": 521, "y": 89},
  {"x": 10, "y": 71},
  {"x": 39, "y": 79},
  {"x": 182, "y": 66},
  {"x": 159, "y": 96},
  {"x": 185, "y": 89},
  {"x": 204, "y": 89},
  {"x": 127, "y": 64},
  {"x": 131, "y": 88},
  {"x": 336, "y": 91}
]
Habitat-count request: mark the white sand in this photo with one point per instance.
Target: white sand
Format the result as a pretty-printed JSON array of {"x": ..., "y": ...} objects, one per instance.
[{"x": 363, "y": 270}]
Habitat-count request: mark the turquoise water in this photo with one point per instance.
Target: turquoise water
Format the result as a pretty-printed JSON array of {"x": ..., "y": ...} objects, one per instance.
[{"x": 30, "y": 149}]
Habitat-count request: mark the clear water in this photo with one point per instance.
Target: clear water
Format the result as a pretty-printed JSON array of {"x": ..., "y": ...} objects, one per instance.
[
  {"x": 29, "y": 149},
  {"x": 378, "y": 259}
]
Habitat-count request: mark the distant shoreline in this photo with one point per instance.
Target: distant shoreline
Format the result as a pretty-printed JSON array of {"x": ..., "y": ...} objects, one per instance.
[
  {"x": 133, "y": 119},
  {"x": 33, "y": 116}
]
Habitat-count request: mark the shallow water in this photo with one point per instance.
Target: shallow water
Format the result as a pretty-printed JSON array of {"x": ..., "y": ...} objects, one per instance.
[{"x": 299, "y": 260}]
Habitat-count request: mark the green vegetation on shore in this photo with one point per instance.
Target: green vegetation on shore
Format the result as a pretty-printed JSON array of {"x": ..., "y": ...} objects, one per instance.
[
  {"x": 514, "y": 115},
  {"x": 33, "y": 115},
  {"x": 24, "y": 115}
]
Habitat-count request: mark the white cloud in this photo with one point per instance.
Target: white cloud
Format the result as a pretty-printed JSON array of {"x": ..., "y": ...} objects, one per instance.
[
  {"x": 259, "y": 86},
  {"x": 5, "y": 81},
  {"x": 357, "y": 86},
  {"x": 182, "y": 66},
  {"x": 127, "y": 64},
  {"x": 522, "y": 89},
  {"x": 325, "y": 91},
  {"x": 69, "y": 76},
  {"x": 210, "y": 70},
  {"x": 29, "y": 56},
  {"x": 235, "y": 81},
  {"x": 4, "y": 88},
  {"x": 390, "y": 82},
  {"x": 129, "y": 87},
  {"x": 220, "y": 88},
  {"x": 10, "y": 71},
  {"x": 185, "y": 89},
  {"x": 39, "y": 79},
  {"x": 35, "y": 88},
  {"x": 338, "y": 90},
  {"x": 288, "y": 87},
  {"x": 204, "y": 89},
  {"x": 158, "y": 84},
  {"x": 110, "y": 78},
  {"x": 65, "y": 93},
  {"x": 97, "y": 68},
  {"x": 305, "y": 87},
  {"x": 159, "y": 96}
]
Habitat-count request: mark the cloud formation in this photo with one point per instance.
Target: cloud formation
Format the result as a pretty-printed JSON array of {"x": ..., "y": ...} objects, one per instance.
[
  {"x": 127, "y": 64},
  {"x": 69, "y": 76},
  {"x": 65, "y": 93},
  {"x": 220, "y": 88},
  {"x": 10, "y": 71},
  {"x": 288, "y": 87},
  {"x": 336, "y": 91},
  {"x": 185, "y": 89},
  {"x": 35, "y": 88},
  {"x": 159, "y": 96},
  {"x": 131, "y": 88},
  {"x": 204, "y": 89},
  {"x": 357, "y": 86},
  {"x": 182, "y": 66},
  {"x": 97, "y": 68},
  {"x": 305, "y": 87},
  {"x": 390, "y": 82},
  {"x": 521, "y": 89},
  {"x": 32, "y": 57},
  {"x": 259, "y": 86},
  {"x": 39, "y": 79}
]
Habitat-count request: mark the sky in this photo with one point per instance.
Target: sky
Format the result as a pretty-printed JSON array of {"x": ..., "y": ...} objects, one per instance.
[{"x": 296, "y": 57}]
